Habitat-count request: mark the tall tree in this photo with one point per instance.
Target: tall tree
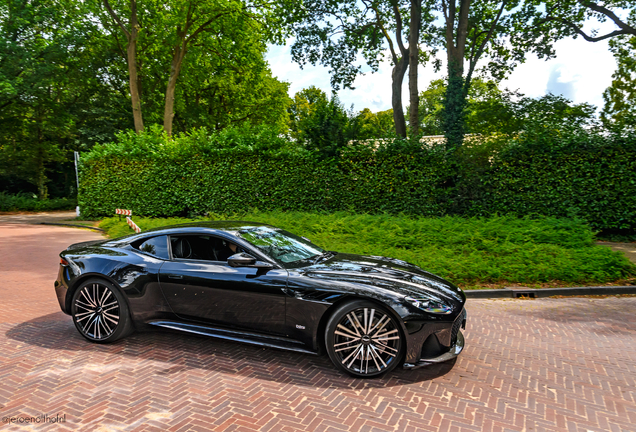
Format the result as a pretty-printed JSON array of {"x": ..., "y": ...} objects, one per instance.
[
  {"x": 218, "y": 94},
  {"x": 491, "y": 29},
  {"x": 57, "y": 93},
  {"x": 160, "y": 35},
  {"x": 491, "y": 110},
  {"x": 336, "y": 32},
  {"x": 568, "y": 17},
  {"x": 319, "y": 123},
  {"x": 619, "y": 112},
  {"x": 131, "y": 33}
]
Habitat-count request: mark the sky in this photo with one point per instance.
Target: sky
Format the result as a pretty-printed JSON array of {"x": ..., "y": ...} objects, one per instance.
[{"x": 581, "y": 72}]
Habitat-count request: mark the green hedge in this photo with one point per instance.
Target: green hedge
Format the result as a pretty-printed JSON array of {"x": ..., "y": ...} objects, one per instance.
[
  {"x": 196, "y": 174},
  {"x": 586, "y": 176}
]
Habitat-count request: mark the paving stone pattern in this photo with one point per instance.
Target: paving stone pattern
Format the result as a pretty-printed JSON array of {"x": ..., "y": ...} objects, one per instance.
[{"x": 529, "y": 365}]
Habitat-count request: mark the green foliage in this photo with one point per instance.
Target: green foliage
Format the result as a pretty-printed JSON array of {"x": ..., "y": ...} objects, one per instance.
[
  {"x": 369, "y": 125},
  {"x": 466, "y": 251},
  {"x": 213, "y": 50},
  {"x": 52, "y": 100},
  {"x": 303, "y": 107},
  {"x": 29, "y": 202},
  {"x": 490, "y": 110},
  {"x": 320, "y": 124},
  {"x": 619, "y": 112},
  {"x": 431, "y": 107}
]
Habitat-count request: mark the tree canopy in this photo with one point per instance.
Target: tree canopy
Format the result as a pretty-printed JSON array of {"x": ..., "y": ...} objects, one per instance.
[
  {"x": 491, "y": 110},
  {"x": 75, "y": 73},
  {"x": 619, "y": 112}
]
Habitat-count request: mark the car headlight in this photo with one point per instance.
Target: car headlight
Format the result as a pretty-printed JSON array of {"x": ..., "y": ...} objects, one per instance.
[{"x": 430, "y": 305}]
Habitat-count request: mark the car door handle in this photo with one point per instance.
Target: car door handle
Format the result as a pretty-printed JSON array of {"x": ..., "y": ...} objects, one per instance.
[{"x": 175, "y": 276}]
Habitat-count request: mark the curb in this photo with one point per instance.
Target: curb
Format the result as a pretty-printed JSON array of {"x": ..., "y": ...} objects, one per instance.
[
  {"x": 548, "y": 292},
  {"x": 72, "y": 225}
]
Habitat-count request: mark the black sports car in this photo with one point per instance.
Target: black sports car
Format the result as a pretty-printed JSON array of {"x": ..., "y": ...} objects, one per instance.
[{"x": 255, "y": 283}]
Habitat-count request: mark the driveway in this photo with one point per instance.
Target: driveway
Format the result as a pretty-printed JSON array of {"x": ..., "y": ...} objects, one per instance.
[
  {"x": 62, "y": 216},
  {"x": 548, "y": 364}
]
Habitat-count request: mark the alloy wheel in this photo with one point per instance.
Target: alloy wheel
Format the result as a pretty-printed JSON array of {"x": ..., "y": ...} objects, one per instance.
[
  {"x": 97, "y": 311},
  {"x": 366, "y": 341}
]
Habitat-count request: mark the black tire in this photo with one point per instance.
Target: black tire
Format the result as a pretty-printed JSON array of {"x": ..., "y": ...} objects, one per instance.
[
  {"x": 100, "y": 312},
  {"x": 351, "y": 339}
]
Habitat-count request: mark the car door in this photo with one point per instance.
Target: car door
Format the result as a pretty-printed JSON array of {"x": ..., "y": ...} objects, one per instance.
[{"x": 198, "y": 287}]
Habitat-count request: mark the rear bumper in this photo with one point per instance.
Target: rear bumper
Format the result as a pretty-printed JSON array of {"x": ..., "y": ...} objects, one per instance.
[
  {"x": 454, "y": 351},
  {"x": 61, "y": 288}
]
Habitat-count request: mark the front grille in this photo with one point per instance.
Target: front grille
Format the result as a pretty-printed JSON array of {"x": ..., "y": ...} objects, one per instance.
[{"x": 456, "y": 326}]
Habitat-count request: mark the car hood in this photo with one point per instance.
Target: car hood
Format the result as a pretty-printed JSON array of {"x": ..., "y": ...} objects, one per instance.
[{"x": 389, "y": 273}]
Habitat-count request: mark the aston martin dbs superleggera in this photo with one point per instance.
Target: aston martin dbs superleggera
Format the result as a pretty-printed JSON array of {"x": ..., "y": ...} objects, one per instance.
[{"x": 255, "y": 283}]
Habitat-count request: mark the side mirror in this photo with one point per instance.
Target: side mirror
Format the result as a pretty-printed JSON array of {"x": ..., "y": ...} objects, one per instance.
[{"x": 241, "y": 260}]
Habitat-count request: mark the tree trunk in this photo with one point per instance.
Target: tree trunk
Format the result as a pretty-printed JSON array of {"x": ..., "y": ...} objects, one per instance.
[
  {"x": 134, "y": 86},
  {"x": 455, "y": 98},
  {"x": 43, "y": 191},
  {"x": 397, "y": 76},
  {"x": 454, "y": 104},
  {"x": 131, "y": 58},
  {"x": 131, "y": 53},
  {"x": 414, "y": 52},
  {"x": 175, "y": 69}
]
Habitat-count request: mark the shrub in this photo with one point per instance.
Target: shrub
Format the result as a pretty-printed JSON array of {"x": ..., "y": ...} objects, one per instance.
[{"x": 28, "y": 202}]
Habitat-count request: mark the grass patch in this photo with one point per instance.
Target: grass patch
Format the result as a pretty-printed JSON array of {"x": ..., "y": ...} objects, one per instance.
[
  {"x": 470, "y": 252},
  {"x": 27, "y": 202}
]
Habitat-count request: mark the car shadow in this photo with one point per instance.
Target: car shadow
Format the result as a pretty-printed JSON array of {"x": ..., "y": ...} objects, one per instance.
[{"x": 181, "y": 352}]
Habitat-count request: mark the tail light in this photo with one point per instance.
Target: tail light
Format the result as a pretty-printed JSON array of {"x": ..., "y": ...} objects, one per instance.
[{"x": 63, "y": 262}]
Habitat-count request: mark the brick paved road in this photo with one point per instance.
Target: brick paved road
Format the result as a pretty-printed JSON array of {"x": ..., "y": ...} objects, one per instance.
[{"x": 550, "y": 364}]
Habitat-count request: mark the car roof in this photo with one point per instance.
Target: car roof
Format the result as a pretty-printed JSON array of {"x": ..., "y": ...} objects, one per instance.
[
  {"x": 224, "y": 225},
  {"x": 209, "y": 227}
]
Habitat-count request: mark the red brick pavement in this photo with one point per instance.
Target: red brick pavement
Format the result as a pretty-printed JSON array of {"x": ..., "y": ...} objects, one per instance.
[{"x": 530, "y": 365}]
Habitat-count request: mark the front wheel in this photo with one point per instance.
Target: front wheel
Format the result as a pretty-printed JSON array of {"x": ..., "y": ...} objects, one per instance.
[
  {"x": 100, "y": 312},
  {"x": 364, "y": 339}
]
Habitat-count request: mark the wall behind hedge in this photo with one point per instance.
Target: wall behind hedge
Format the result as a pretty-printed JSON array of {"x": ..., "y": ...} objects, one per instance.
[{"x": 593, "y": 178}]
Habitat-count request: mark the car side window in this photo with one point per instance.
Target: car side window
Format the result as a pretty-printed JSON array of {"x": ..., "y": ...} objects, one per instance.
[
  {"x": 201, "y": 247},
  {"x": 155, "y": 246}
]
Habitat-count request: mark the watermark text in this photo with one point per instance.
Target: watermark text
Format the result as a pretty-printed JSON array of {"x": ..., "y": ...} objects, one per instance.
[{"x": 39, "y": 419}]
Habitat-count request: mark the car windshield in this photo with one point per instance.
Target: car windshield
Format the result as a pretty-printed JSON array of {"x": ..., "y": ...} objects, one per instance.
[{"x": 281, "y": 245}]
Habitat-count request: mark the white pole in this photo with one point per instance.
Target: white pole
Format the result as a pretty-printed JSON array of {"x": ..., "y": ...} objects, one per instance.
[{"x": 76, "y": 160}]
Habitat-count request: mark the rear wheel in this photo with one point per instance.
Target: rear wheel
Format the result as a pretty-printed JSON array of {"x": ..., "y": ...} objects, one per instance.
[
  {"x": 364, "y": 339},
  {"x": 100, "y": 312}
]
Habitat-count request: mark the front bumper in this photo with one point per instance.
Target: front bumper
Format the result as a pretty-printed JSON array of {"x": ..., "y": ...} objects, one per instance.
[
  {"x": 435, "y": 342},
  {"x": 454, "y": 351}
]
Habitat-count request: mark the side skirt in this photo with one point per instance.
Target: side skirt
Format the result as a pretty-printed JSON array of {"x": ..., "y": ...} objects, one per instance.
[{"x": 235, "y": 335}]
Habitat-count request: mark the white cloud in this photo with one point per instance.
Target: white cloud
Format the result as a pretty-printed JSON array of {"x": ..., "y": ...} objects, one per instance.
[{"x": 581, "y": 71}]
